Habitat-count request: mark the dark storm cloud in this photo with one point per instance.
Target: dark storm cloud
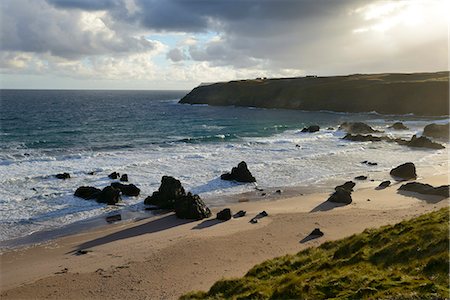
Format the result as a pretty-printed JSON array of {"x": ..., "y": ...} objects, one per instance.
[{"x": 89, "y": 5}]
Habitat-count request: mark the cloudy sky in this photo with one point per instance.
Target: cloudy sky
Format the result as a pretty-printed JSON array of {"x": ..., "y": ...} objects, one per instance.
[{"x": 177, "y": 44}]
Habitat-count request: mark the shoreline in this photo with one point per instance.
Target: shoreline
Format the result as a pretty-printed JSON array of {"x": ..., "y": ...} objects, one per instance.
[
  {"x": 194, "y": 254},
  {"x": 137, "y": 212}
]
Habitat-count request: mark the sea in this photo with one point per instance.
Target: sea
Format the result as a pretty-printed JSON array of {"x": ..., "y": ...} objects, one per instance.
[{"x": 148, "y": 134}]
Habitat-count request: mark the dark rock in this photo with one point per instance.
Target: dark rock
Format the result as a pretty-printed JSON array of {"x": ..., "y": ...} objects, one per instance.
[
  {"x": 384, "y": 184},
  {"x": 109, "y": 195},
  {"x": 113, "y": 218},
  {"x": 239, "y": 174},
  {"x": 87, "y": 192},
  {"x": 224, "y": 215},
  {"x": 357, "y": 127},
  {"x": 278, "y": 191},
  {"x": 239, "y": 214},
  {"x": 263, "y": 194},
  {"x": 362, "y": 177},
  {"x": 63, "y": 176},
  {"x": 169, "y": 191},
  {"x": 191, "y": 207},
  {"x": 311, "y": 129},
  {"x": 426, "y": 189},
  {"x": 405, "y": 171},
  {"x": 114, "y": 175},
  {"x": 316, "y": 232},
  {"x": 398, "y": 126},
  {"x": 362, "y": 138},
  {"x": 330, "y": 128},
  {"x": 91, "y": 173},
  {"x": 341, "y": 196},
  {"x": 423, "y": 142},
  {"x": 262, "y": 214},
  {"x": 437, "y": 131},
  {"x": 372, "y": 163},
  {"x": 349, "y": 185},
  {"x": 124, "y": 177},
  {"x": 126, "y": 189}
]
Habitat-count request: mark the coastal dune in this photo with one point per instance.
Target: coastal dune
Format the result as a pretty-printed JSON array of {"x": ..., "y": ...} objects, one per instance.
[
  {"x": 422, "y": 94},
  {"x": 165, "y": 257}
]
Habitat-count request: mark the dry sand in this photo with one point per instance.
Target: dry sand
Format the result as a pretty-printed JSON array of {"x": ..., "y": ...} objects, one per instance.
[{"x": 163, "y": 257}]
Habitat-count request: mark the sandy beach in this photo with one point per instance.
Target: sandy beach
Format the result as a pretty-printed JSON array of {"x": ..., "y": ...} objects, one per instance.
[{"x": 164, "y": 257}]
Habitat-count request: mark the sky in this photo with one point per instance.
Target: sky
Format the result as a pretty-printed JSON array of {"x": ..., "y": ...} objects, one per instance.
[{"x": 178, "y": 44}]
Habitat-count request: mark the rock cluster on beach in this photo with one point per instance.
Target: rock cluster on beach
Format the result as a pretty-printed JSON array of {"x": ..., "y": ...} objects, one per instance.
[
  {"x": 415, "y": 142},
  {"x": 108, "y": 195},
  {"x": 357, "y": 128},
  {"x": 239, "y": 174},
  {"x": 171, "y": 195}
]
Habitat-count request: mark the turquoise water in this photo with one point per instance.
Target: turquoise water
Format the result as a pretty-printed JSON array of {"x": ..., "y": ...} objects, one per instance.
[{"x": 147, "y": 134}]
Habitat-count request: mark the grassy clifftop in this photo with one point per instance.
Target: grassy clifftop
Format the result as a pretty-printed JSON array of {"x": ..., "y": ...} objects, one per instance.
[
  {"x": 425, "y": 94},
  {"x": 409, "y": 260}
]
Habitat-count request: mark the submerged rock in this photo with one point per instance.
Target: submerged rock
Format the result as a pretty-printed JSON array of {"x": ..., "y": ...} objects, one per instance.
[
  {"x": 114, "y": 175},
  {"x": 124, "y": 177},
  {"x": 311, "y": 129},
  {"x": 224, "y": 215},
  {"x": 398, "y": 126},
  {"x": 169, "y": 191},
  {"x": 437, "y": 131},
  {"x": 239, "y": 174},
  {"x": 87, "y": 192},
  {"x": 109, "y": 195},
  {"x": 405, "y": 171},
  {"x": 126, "y": 189},
  {"x": 357, "y": 127},
  {"x": 62, "y": 176},
  {"x": 426, "y": 189},
  {"x": 423, "y": 142},
  {"x": 191, "y": 207}
]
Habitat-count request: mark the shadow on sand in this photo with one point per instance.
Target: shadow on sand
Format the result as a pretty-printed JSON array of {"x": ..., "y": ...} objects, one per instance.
[
  {"x": 326, "y": 205},
  {"x": 207, "y": 223},
  {"x": 432, "y": 199},
  {"x": 309, "y": 238},
  {"x": 152, "y": 226}
]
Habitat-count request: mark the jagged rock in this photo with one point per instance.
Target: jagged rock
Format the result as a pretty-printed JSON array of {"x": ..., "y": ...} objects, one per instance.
[
  {"x": 191, "y": 207},
  {"x": 114, "y": 175},
  {"x": 426, "y": 189},
  {"x": 87, "y": 192},
  {"x": 341, "y": 196},
  {"x": 124, "y": 177},
  {"x": 312, "y": 128},
  {"x": 239, "y": 174},
  {"x": 169, "y": 191},
  {"x": 423, "y": 142},
  {"x": 357, "y": 127},
  {"x": 362, "y": 177},
  {"x": 126, "y": 189},
  {"x": 384, "y": 184},
  {"x": 109, "y": 195},
  {"x": 316, "y": 232},
  {"x": 63, "y": 176},
  {"x": 437, "y": 131},
  {"x": 349, "y": 185},
  {"x": 398, "y": 126},
  {"x": 405, "y": 171},
  {"x": 239, "y": 214},
  {"x": 224, "y": 215},
  {"x": 362, "y": 138}
]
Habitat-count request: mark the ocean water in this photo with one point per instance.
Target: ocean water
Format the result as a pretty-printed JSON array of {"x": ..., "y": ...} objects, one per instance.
[{"x": 147, "y": 134}]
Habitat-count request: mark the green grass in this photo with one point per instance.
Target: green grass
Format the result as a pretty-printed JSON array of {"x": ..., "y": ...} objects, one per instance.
[{"x": 409, "y": 260}]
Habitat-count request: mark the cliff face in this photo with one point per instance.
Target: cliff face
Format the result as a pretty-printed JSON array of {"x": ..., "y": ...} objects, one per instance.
[{"x": 425, "y": 94}]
